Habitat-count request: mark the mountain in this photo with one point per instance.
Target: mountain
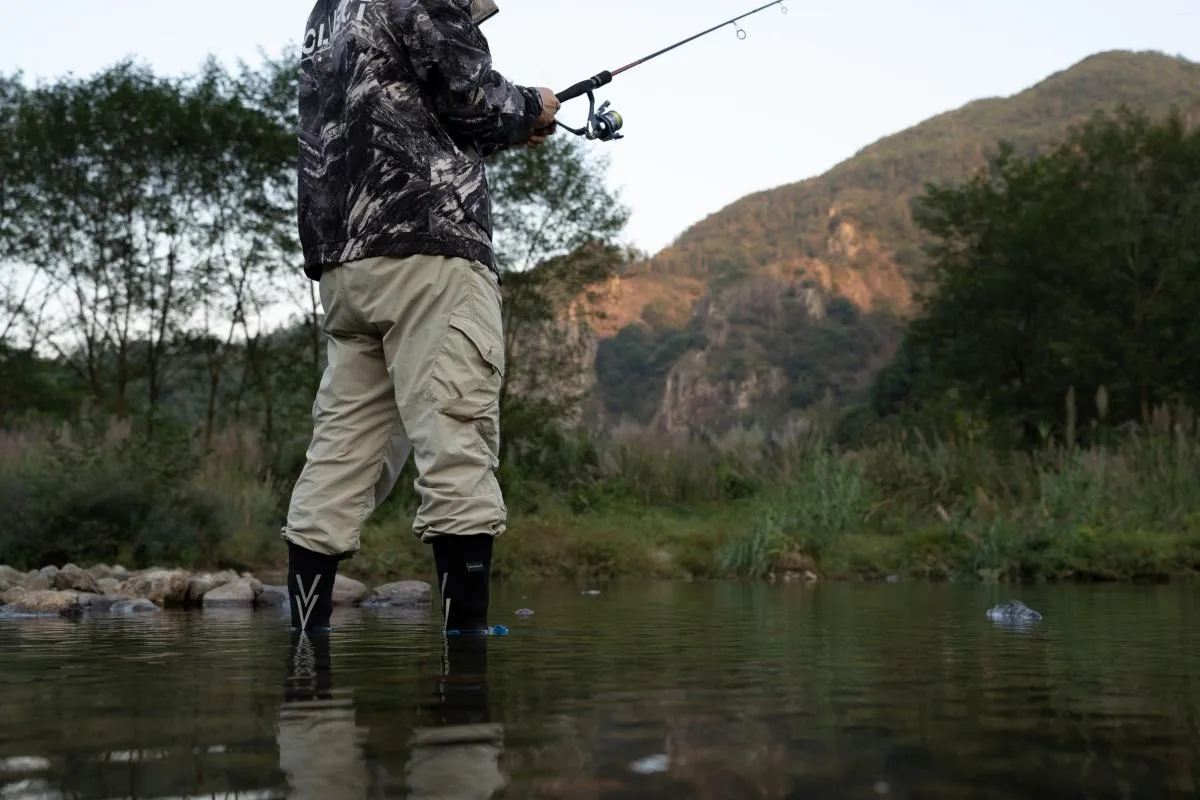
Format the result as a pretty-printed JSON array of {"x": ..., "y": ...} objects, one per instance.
[{"x": 797, "y": 295}]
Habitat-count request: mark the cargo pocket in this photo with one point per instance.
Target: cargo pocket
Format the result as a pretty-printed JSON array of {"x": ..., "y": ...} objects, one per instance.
[{"x": 469, "y": 370}]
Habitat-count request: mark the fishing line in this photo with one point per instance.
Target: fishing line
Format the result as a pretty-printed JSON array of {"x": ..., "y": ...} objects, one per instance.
[{"x": 604, "y": 124}]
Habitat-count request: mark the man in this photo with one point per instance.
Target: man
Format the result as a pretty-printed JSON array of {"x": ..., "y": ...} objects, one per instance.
[{"x": 399, "y": 105}]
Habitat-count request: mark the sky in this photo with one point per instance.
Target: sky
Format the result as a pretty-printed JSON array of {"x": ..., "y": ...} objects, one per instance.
[{"x": 705, "y": 124}]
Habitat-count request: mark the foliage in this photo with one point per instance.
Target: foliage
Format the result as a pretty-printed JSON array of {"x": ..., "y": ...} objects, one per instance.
[
  {"x": 632, "y": 367},
  {"x": 105, "y": 493},
  {"x": 1063, "y": 276},
  {"x": 853, "y": 230}
]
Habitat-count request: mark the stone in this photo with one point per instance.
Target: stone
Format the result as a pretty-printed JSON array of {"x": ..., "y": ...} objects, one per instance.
[
  {"x": 135, "y": 606},
  {"x": 48, "y": 572},
  {"x": 238, "y": 593},
  {"x": 46, "y": 602},
  {"x": 99, "y": 571},
  {"x": 12, "y": 595},
  {"x": 13, "y": 576},
  {"x": 120, "y": 573},
  {"x": 108, "y": 585},
  {"x": 1013, "y": 611},
  {"x": 37, "y": 583},
  {"x": 203, "y": 583},
  {"x": 165, "y": 588},
  {"x": 73, "y": 578},
  {"x": 272, "y": 597},
  {"x": 103, "y": 602},
  {"x": 4, "y": 586},
  {"x": 403, "y": 594},
  {"x": 348, "y": 592}
]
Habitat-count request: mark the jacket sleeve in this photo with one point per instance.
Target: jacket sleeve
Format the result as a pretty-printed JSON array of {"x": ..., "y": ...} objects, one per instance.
[{"x": 451, "y": 59}]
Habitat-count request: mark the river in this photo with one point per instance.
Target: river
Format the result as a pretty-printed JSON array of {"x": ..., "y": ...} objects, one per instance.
[{"x": 641, "y": 691}]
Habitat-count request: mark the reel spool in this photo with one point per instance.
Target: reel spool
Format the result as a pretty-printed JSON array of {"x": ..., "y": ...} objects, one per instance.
[{"x": 603, "y": 124}]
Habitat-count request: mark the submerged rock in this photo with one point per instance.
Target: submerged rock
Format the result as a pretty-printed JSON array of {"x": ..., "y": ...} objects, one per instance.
[
  {"x": 525, "y": 612},
  {"x": 104, "y": 602},
  {"x": 135, "y": 606},
  {"x": 1013, "y": 611}
]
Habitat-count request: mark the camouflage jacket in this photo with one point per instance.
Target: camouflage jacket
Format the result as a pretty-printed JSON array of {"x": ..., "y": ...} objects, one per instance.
[{"x": 399, "y": 105}]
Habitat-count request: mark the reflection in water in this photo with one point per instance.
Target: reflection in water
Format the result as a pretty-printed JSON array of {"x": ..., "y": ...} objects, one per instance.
[
  {"x": 457, "y": 753},
  {"x": 320, "y": 746},
  {"x": 661, "y": 690},
  {"x": 454, "y": 750}
]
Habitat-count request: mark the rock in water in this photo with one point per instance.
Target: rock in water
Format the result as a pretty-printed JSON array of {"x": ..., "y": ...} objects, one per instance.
[
  {"x": 202, "y": 584},
  {"x": 403, "y": 594},
  {"x": 1013, "y": 611},
  {"x": 108, "y": 585},
  {"x": 162, "y": 587},
  {"x": 46, "y": 602},
  {"x": 104, "y": 602},
  {"x": 137, "y": 606},
  {"x": 37, "y": 582},
  {"x": 239, "y": 593},
  {"x": 348, "y": 592},
  {"x": 272, "y": 596},
  {"x": 74, "y": 578}
]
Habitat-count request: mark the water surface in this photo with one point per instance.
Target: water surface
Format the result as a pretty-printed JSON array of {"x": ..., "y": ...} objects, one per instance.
[{"x": 657, "y": 690}]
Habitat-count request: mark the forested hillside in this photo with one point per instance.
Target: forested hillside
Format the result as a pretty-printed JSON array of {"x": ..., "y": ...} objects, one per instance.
[{"x": 795, "y": 295}]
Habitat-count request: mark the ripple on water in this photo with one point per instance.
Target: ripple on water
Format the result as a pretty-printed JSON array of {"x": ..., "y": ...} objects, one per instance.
[{"x": 664, "y": 690}]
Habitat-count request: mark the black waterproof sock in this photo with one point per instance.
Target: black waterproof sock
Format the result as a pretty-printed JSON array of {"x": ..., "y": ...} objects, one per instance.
[
  {"x": 310, "y": 588},
  {"x": 464, "y": 565}
]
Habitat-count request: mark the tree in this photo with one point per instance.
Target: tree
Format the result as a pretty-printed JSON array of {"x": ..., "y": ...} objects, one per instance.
[
  {"x": 149, "y": 211},
  {"x": 1079, "y": 268},
  {"x": 556, "y": 225}
]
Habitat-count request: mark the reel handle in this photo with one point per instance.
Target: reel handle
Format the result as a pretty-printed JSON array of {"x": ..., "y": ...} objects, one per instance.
[{"x": 583, "y": 87}]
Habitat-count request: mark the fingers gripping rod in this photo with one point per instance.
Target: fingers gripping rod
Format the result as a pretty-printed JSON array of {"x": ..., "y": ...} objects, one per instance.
[{"x": 603, "y": 124}]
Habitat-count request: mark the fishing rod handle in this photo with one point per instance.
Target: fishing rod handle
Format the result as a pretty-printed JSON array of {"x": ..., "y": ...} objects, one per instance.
[{"x": 583, "y": 87}]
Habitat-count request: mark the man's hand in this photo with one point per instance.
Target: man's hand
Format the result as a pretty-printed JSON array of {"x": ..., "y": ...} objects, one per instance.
[
  {"x": 550, "y": 106},
  {"x": 546, "y": 125}
]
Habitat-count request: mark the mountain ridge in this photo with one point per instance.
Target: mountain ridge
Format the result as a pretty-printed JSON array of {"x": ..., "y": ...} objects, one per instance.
[{"x": 781, "y": 284}]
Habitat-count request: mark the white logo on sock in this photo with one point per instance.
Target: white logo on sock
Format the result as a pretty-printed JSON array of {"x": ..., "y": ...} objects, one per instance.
[{"x": 307, "y": 601}]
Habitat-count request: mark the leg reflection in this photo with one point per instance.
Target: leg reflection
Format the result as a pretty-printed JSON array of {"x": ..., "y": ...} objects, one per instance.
[
  {"x": 458, "y": 753},
  {"x": 320, "y": 746}
]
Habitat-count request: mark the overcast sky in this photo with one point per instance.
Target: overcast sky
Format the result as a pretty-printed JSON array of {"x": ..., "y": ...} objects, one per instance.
[{"x": 706, "y": 124}]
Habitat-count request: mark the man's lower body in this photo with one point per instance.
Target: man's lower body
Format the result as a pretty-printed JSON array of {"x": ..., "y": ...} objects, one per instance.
[{"x": 416, "y": 363}]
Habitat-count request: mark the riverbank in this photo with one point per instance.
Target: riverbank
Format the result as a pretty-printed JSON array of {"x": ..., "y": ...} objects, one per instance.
[{"x": 744, "y": 506}]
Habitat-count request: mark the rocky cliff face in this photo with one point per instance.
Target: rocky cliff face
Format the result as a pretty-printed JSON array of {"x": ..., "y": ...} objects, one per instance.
[{"x": 800, "y": 292}]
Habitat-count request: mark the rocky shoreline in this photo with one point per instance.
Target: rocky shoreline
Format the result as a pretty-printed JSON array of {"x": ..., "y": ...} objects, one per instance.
[{"x": 73, "y": 591}]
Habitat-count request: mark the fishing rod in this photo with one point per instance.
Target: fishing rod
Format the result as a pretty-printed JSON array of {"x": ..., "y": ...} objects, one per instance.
[{"x": 605, "y": 124}]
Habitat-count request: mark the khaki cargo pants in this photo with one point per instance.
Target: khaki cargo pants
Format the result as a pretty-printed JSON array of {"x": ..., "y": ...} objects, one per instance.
[{"x": 416, "y": 362}]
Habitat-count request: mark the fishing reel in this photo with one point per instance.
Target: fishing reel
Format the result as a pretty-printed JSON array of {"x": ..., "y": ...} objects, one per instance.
[{"x": 603, "y": 124}]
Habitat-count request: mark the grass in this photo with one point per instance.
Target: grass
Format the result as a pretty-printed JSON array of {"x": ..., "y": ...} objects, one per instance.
[{"x": 746, "y": 505}]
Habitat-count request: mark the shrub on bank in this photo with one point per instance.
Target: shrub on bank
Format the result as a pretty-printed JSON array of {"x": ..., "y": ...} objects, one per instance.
[{"x": 745, "y": 504}]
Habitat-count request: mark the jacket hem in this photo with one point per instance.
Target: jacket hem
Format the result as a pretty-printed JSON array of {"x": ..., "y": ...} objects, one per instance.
[{"x": 329, "y": 255}]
